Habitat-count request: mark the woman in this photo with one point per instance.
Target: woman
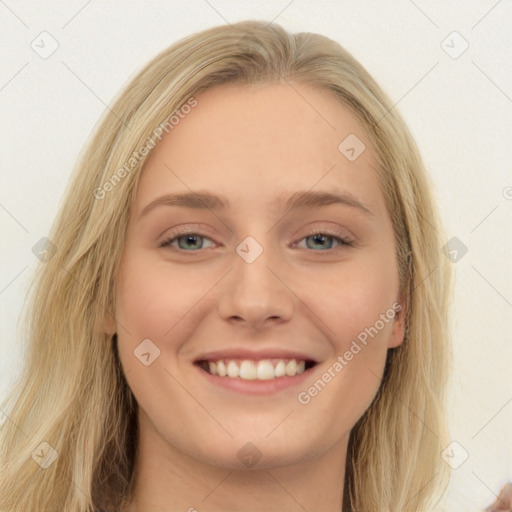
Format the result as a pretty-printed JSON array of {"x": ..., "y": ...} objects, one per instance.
[{"x": 257, "y": 371}]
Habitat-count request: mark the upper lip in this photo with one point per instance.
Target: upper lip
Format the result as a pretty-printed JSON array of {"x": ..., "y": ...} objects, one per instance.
[{"x": 243, "y": 353}]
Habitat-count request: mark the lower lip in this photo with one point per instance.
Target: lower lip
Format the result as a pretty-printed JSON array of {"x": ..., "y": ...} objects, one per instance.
[{"x": 256, "y": 386}]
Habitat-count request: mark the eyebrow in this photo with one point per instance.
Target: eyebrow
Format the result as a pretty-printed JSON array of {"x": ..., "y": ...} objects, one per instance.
[{"x": 300, "y": 199}]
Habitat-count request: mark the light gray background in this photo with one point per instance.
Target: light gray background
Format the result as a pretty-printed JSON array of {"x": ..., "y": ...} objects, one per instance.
[{"x": 458, "y": 109}]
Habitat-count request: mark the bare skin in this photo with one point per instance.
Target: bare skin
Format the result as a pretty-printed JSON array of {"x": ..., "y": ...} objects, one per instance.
[{"x": 253, "y": 145}]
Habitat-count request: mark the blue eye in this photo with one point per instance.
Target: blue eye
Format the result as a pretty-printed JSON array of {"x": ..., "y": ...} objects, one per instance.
[
  {"x": 190, "y": 238},
  {"x": 191, "y": 242},
  {"x": 320, "y": 238}
]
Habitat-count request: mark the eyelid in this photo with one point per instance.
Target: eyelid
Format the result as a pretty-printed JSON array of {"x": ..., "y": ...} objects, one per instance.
[
  {"x": 344, "y": 240},
  {"x": 194, "y": 228},
  {"x": 330, "y": 232},
  {"x": 181, "y": 231}
]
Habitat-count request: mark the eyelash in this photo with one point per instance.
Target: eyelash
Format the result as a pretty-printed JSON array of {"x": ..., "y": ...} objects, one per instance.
[{"x": 179, "y": 233}]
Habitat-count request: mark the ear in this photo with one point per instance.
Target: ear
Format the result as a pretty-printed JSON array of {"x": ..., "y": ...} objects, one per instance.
[
  {"x": 109, "y": 325},
  {"x": 397, "y": 336}
]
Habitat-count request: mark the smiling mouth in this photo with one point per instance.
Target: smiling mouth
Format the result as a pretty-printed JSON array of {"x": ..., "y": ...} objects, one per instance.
[{"x": 263, "y": 369}]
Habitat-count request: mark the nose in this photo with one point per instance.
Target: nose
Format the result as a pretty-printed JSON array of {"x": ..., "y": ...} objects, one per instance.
[{"x": 257, "y": 293}]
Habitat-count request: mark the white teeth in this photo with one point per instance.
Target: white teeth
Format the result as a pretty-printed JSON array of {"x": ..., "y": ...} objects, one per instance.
[
  {"x": 280, "y": 370},
  {"x": 221, "y": 369},
  {"x": 233, "y": 370},
  {"x": 264, "y": 369},
  {"x": 247, "y": 370},
  {"x": 291, "y": 368}
]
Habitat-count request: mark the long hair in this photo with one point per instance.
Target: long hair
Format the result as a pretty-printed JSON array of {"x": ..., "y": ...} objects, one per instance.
[{"x": 70, "y": 437}]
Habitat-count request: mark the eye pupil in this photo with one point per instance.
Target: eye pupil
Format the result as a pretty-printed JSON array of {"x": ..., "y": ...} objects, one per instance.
[
  {"x": 319, "y": 239},
  {"x": 189, "y": 238},
  {"x": 189, "y": 241}
]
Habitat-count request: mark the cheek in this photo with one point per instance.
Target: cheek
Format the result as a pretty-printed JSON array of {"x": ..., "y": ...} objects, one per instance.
[
  {"x": 151, "y": 302},
  {"x": 352, "y": 300},
  {"x": 356, "y": 307}
]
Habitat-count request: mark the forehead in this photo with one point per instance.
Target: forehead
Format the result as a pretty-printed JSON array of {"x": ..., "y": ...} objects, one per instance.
[{"x": 253, "y": 142}]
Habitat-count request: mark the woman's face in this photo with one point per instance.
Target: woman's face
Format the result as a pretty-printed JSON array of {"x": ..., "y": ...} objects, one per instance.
[{"x": 254, "y": 277}]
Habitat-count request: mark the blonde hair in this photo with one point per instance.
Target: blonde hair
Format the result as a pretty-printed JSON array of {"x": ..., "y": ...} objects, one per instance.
[{"x": 72, "y": 393}]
